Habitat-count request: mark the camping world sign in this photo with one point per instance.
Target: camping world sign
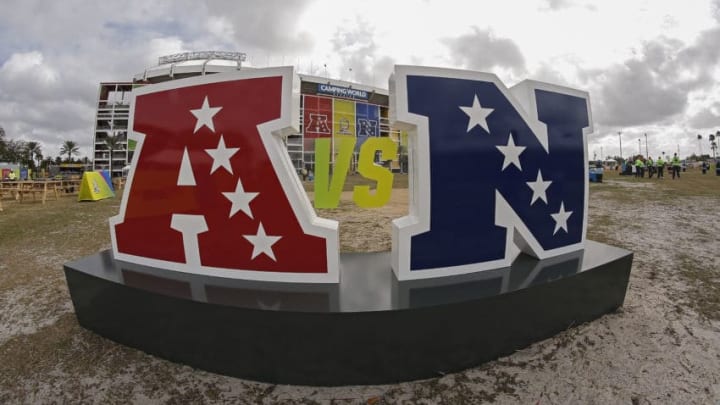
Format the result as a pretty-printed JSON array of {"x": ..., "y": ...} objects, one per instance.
[{"x": 494, "y": 171}]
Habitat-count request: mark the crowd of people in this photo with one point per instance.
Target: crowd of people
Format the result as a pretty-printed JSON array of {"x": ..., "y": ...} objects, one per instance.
[{"x": 657, "y": 167}]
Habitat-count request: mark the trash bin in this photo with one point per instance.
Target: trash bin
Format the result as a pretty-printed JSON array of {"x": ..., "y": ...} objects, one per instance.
[{"x": 717, "y": 169}]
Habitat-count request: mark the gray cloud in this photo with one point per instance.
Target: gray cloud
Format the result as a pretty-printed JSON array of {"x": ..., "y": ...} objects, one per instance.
[
  {"x": 481, "y": 50},
  {"x": 77, "y": 44},
  {"x": 54, "y": 54},
  {"x": 702, "y": 56},
  {"x": 654, "y": 85},
  {"x": 355, "y": 44},
  {"x": 634, "y": 95},
  {"x": 264, "y": 26},
  {"x": 558, "y": 4},
  {"x": 708, "y": 118},
  {"x": 547, "y": 73}
]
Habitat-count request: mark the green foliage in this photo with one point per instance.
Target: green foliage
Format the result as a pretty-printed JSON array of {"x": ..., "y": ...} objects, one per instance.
[
  {"x": 113, "y": 143},
  {"x": 69, "y": 148},
  {"x": 13, "y": 151},
  {"x": 33, "y": 152}
]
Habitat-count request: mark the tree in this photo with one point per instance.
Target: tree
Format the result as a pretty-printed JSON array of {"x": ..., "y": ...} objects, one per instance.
[
  {"x": 47, "y": 162},
  {"x": 713, "y": 144},
  {"x": 700, "y": 144},
  {"x": 33, "y": 149},
  {"x": 114, "y": 142},
  {"x": 14, "y": 151},
  {"x": 39, "y": 157},
  {"x": 2, "y": 143},
  {"x": 69, "y": 148},
  {"x": 7, "y": 148}
]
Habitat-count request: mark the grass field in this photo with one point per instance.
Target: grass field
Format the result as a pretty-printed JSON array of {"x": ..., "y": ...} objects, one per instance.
[
  {"x": 672, "y": 309},
  {"x": 690, "y": 188}
]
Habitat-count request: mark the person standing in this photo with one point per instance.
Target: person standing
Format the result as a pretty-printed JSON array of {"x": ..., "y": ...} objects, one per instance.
[
  {"x": 639, "y": 167},
  {"x": 660, "y": 165},
  {"x": 650, "y": 167},
  {"x": 675, "y": 166}
]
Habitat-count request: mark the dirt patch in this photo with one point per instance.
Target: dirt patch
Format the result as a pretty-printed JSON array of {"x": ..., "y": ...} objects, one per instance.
[
  {"x": 366, "y": 229},
  {"x": 662, "y": 346}
]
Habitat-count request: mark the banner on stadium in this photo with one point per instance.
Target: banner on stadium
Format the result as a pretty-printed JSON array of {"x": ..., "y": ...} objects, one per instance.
[
  {"x": 317, "y": 117},
  {"x": 345, "y": 92},
  {"x": 343, "y": 117},
  {"x": 366, "y": 122}
]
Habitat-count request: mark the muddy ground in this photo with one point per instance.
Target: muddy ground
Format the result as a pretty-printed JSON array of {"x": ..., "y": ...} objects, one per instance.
[{"x": 661, "y": 347}]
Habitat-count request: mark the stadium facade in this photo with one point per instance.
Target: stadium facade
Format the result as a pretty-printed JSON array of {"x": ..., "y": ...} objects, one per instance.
[{"x": 323, "y": 108}]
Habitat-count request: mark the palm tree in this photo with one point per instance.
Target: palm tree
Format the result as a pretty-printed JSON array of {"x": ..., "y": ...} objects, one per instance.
[
  {"x": 70, "y": 148},
  {"x": 114, "y": 142},
  {"x": 2, "y": 142},
  {"x": 39, "y": 157},
  {"x": 33, "y": 149},
  {"x": 14, "y": 151},
  {"x": 700, "y": 144}
]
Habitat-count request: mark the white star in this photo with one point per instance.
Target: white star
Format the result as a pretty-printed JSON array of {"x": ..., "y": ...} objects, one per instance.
[
  {"x": 240, "y": 200},
  {"x": 561, "y": 218},
  {"x": 512, "y": 153},
  {"x": 539, "y": 187},
  {"x": 477, "y": 114},
  {"x": 204, "y": 116},
  {"x": 262, "y": 243},
  {"x": 221, "y": 156}
]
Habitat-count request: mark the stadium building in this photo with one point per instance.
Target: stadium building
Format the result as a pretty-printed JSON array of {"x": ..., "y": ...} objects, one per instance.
[
  {"x": 325, "y": 108},
  {"x": 111, "y": 119}
]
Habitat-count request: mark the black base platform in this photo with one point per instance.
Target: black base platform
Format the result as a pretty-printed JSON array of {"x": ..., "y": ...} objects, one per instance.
[{"x": 370, "y": 329}]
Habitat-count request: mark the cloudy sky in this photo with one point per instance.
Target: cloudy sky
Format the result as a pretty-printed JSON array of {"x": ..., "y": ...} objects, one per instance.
[{"x": 651, "y": 67}]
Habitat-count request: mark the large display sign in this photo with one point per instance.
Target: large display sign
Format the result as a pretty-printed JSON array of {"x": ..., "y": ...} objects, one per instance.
[
  {"x": 324, "y": 117},
  {"x": 495, "y": 171},
  {"x": 345, "y": 92},
  {"x": 318, "y": 115},
  {"x": 212, "y": 190}
]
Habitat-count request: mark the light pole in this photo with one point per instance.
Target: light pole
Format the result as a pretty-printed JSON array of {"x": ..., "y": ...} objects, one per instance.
[
  {"x": 639, "y": 150},
  {"x": 646, "y": 147},
  {"x": 620, "y": 138}
]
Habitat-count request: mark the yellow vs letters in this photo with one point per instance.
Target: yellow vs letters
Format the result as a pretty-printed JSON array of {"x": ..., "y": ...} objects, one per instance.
[{"x": 327, "y": 191}]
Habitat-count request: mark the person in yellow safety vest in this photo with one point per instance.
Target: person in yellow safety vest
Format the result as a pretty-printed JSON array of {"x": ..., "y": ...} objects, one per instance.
[
  {"x": 639, "y": 167},
  {"x": 11, "y": 176},
  {"x": 650, "y": 167},
  {"x": 660, "y": 165},
  {"x": 675, "y": 166}
]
